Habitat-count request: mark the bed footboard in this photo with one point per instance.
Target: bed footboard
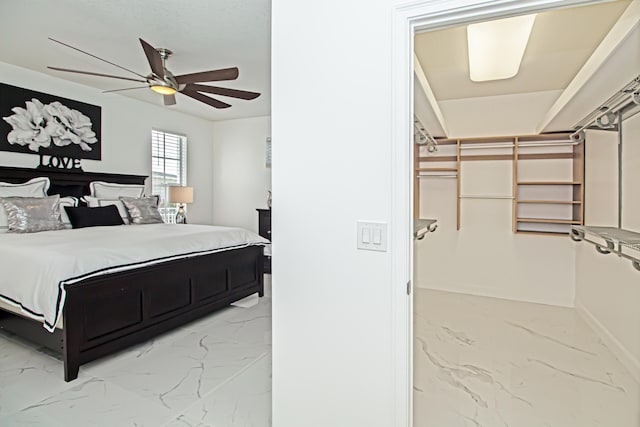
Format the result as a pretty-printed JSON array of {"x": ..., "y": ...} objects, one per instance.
[{"x": 111, "y": 312}]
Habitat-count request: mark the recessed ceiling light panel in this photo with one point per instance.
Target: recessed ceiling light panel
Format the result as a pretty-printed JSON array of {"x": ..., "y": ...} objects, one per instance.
[{"x": 496, "y": 48}]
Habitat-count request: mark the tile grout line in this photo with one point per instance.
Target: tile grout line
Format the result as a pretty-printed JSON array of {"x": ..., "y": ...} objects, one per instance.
[{"x": 219, "y": 386}]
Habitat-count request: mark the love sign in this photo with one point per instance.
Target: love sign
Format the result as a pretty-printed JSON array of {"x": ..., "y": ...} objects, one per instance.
[{"x": 57, "y": 162}]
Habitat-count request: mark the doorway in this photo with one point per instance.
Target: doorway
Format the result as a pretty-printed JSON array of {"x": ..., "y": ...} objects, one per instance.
[{"x": 426, "y": 16}]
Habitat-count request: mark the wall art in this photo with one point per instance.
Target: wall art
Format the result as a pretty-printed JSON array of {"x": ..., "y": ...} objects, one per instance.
[{"x": 48, "y": 125}]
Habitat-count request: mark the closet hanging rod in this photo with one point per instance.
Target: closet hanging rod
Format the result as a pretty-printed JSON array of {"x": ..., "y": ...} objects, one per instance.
[{"x": 557, "y": 143}]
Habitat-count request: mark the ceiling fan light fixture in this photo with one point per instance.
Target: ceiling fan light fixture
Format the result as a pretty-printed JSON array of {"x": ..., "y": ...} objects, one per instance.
[
  {"x": 163, "y": 82},
  {"x": 163, "y": 89},
  {"x": 496, "y": 48}
]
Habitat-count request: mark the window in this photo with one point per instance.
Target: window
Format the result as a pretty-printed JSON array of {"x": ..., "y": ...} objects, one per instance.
[{"x": 168, "y": 167}]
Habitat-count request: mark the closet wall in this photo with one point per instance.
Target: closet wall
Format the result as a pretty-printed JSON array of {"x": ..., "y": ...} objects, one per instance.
[
  {"x": 485, "y": 257},
  {"x": 607, "y": 287}
]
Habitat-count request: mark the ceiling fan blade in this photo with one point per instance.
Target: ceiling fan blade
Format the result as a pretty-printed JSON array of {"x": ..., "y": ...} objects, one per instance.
[
  {"x": 154, "y": 58},
  {"x": 169, "y": 99},
  {"x": 233, "y": 93},
  {"x": 127, "y": 88},
  {"x": 204, "y": 98},
  {"x": 96, "y": 74},
  {"x": 97, "y": 57},
  {"x": 209, "y": 76}
]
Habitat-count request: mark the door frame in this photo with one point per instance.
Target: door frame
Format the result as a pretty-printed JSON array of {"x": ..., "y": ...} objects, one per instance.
[{"x": 407, "y": 19}]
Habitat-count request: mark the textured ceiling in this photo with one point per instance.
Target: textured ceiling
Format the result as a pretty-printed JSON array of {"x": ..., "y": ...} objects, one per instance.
[
  {"x": 203, "y": 35},
  {"x": 560, "y": 43}
]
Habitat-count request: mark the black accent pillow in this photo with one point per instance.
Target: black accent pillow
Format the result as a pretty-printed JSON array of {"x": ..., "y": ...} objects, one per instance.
[
  {"x": 84, "y": 216},
  {"x": 76, "y": 191}
]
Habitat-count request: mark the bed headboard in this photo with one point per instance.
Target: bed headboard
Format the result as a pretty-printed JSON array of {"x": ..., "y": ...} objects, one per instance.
[{"x": 66, "y": 183}]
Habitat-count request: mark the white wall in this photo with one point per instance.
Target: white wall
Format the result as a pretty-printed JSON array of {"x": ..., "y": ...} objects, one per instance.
[
  {"x": 331, "y": 121},
  {"x": 126, "y": 134},
  {"x": 485, "y": 257},
  {"x": 608, "y": 287},
  {"x": 240, "y": 176},
  {"x": 332, "y": 105}
]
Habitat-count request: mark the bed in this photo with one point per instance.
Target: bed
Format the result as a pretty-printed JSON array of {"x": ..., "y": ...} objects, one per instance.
[{"x": 109, "y": 308}]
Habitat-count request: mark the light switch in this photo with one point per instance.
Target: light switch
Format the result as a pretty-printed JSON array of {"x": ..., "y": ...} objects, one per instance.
[{"x": 372, "y": 236}]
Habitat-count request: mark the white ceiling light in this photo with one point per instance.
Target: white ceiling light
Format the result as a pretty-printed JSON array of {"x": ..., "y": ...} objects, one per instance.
[{"x": 496, "y": 48}]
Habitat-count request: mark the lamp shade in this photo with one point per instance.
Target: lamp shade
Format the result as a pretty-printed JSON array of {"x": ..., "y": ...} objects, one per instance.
[{"x": 180, "y": 194}]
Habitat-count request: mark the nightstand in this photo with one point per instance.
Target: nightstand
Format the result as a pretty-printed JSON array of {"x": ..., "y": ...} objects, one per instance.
[{"x": 264, "y": 229}]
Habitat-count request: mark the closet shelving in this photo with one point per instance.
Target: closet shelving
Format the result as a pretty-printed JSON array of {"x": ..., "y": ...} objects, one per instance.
[
  {"x": 441, "y": 163},
  {"x": 609, "y": 116},
  {"x": 624, "y": 243},
  {"x": 541, "y": 205},
  {"x": 548, "y": 206}
]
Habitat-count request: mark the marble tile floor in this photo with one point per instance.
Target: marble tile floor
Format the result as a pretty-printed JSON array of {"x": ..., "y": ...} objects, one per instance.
[
  {"x": 485, "y": 362},
  {"x": 214, "y": 372}
]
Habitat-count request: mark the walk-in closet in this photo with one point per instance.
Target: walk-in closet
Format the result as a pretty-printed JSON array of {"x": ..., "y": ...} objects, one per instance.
[{"x": 527, "y": 221}]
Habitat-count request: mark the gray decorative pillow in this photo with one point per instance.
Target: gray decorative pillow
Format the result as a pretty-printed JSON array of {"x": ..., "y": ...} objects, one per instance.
[
  {"x": 143, "y": 210},
  {"x": 36, "y": 187},
  {"x": 32, "y": 214}
]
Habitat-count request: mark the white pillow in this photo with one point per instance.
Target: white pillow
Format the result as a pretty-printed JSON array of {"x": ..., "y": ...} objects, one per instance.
[
  {"x": 94, "y": 202},
  {"x": 66, "y": 201},
  {"x": 36, "y": 187},
  {"x": 110, "y": 190}
]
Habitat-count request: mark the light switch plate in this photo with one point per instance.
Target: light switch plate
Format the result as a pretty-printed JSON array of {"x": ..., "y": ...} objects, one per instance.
[{"x": 372, "y": 236}]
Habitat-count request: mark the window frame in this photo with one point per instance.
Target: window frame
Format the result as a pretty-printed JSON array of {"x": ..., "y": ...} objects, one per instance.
[{"x": 167, "y": 210}]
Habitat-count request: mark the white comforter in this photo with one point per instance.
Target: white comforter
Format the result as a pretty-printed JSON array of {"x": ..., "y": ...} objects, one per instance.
[{"x": 35, "y": 267}]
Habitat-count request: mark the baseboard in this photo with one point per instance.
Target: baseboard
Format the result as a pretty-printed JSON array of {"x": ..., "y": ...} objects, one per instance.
[
  {"x": 619, "y": 351},
  {"x": 494, "y": 293}
]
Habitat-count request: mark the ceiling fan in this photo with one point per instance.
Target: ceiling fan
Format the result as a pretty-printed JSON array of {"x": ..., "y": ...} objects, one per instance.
[{"x": 162, "y": 81}]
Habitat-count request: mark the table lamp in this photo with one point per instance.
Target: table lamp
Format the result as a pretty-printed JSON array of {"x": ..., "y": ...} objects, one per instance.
[{"x": 181, "y": 195}]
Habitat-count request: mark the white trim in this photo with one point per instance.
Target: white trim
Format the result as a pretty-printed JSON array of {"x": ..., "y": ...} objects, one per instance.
[
  {"x": 406, "y": 20},
  {"x": 619, "y": 351}
]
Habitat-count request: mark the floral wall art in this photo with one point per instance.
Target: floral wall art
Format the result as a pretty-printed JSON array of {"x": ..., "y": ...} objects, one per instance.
[{"x": 39, "y": 123}]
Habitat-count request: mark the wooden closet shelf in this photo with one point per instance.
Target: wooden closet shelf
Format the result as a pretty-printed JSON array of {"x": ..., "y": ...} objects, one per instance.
[
  {"x": 438, "y": 159},
  {"x": 488, "y": 157},
  {"x": 543, "y": 233},
  {"x": 436, "y": 169},
  {"x": 466, "y": 158},
  {"x": 548, "y": 221},
  {"x": 532, "y": 156},
  {"x": 544, "y": 156},
  {"x": 551, "y": 202},
  {"x": 549, "y": 183}
]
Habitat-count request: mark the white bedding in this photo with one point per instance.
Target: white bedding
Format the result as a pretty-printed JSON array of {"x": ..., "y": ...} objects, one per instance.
[{"x": 35, "y": 267}]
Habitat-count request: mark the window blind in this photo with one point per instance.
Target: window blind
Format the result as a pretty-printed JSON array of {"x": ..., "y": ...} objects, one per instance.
[{"x": 168, "y": 167}]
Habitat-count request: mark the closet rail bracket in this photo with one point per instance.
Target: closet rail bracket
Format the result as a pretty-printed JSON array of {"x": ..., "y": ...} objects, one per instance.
[{"x": 423, "y": 226}]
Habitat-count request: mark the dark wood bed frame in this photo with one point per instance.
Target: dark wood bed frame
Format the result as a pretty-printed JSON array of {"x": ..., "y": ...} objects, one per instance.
[{"x": 104, "y": 314}]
